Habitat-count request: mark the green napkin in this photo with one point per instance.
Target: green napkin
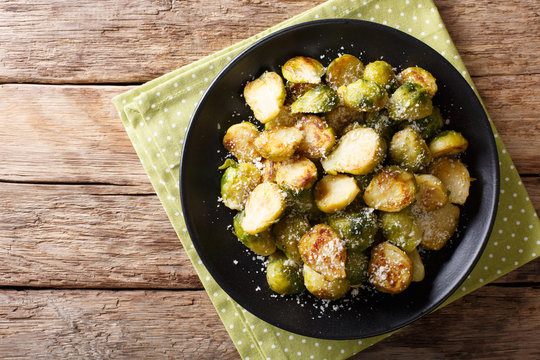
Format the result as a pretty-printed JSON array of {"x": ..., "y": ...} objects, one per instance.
[{"x": 157, "y": 113}]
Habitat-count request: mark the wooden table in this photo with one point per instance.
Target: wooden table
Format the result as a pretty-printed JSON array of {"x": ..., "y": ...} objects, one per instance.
[{"x": 89, "y": 264}]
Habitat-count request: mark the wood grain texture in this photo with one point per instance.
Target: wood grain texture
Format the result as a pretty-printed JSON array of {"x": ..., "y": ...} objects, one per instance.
[
  {"x": 125, "y": 41},
  {"x": 183, "y": 324},
  {"x": 88, "y": 236}
]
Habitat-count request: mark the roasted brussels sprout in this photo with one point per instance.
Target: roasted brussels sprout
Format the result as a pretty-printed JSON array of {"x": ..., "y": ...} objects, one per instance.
[
  {"x": 391, "y": 189},
  {"x": 418, "y": 271},
  {"x": 334, "y": 192},
  {"x": 318, "y": 137},
  {"x": 401, "y": 229},
  {"x": 269, "y": 169},
  {"x": 409, "y": 150},
  {"x": 390, "y": 269},
  {"x": 324, "y": 251},
  {"x": 263, "y": 208},
  {"x": 279, "y": 143},
  {"x": 363, "y": 181},
  {"x": 265, "y": 96},
  {"x": 356, "y": 228},
  {"x": 238, "y": 140},
  {"x": 344, "y": 70},
  {"x": 284, "y": 119},
  {"x": 237, "y": 183},
  {"x": 357, "y": 267},
  {"x": 341, "y": 116},
  {"x": 322, "y": 99},
  {"x": 295, "y": 90},
  {"x": 382, "y": 73},
  {"x": 358, "y": 152},
  {"x": 381, "y": 122},
  {"x": 363, "y": 95},
  {"x": 283, "y": 275},
  {"x": 430, "y": 125},
  {"x": 438, "y": 226},
  {"x": 410, "y": 102},
  {"x": 288, "y": 232},
  {"x": 296, "y": 173},
  {"x": 448, "y": 142},
  {"x": 322, "y": 288},
  {"x": 432, "y": 193},
  {"x": 260, "y": 244},
  {"x": 455, "y": 177},
  {"x": 301, "y": 69},
  {"x": 421, "y": 77}
]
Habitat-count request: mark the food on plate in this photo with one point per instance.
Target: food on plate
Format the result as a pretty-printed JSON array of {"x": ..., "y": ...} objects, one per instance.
[{"x": 343, "y": 176}]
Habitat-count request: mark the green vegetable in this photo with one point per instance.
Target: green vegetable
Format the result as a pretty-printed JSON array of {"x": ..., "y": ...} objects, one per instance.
[
  {"x": 356, "y": 228},
  {"x": 401, "y": 229},
  {"x": 324, "y": 289},
  {"x": 261, "y": 244},
  {"x": 448, "y": 142},
  {"x": 283, "y": 275},
  {"x": 409, "y": 150},
  {"x": 322, "y": 99},
  {"x": 382, "y": 73},
  {"x": 410, "y": 102},
  {"x": 381, "y": 122},
  {"x": 301, "y": 69},
  {"x": 265, "y": 96},
  {"x": 237, "y": 182},
  {"x": 288, "y": 232},
  {"x": 357, "y": 267},
  {"x": 344, "y": 70},
  {"x": 430, "y": 125},
  {"x": 363, "y": 95}
]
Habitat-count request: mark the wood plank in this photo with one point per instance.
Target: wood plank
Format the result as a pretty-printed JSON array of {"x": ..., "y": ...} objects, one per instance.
[
  {"x": 88, "y": 236},
  {"x": 126, "y": 41},
  {"x": 78, "y": 236},
  {"x": 184, "y": 324},
  {"x": 73, "y": 133}
]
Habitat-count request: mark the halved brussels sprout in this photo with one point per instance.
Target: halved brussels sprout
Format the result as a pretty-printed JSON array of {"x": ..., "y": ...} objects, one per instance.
[
  {"x": 401, "y": 229},
  {"x": 261, "y": 244},
  {"x": 390, "y": 269},
  {"x": 288, "y": 232},
  {"x": 341, "y": 116},
  {"x": 324, "y": 251},
  {"x": 358, "y": 152},
  {"x": 429, "y": 126},
  {"x": 381, "y": 122},
  {"x": 357, "y": 267},
  {"x": 318, "y": 137},
  {"x": 363, "y": 95},
  {"x": 432, "y": 193},
  {"x": 363, "y": 181},
  {"x": 322, "y": 99},
  {"x": 279, "y": 143},
  {"x": 344, "y": 70},
  {"x": 263, "y": 208},
  {"x": 237, "y": 183},
  {"x": 334, "y": 192},
  {"x": 265, "y": 96},
  {"x": 418, "y": 271},
  {"x": 284, "y": 119},
  {"x": 455, "y": 177},
  {"x": 382, "y": 73},
  {"x": 421, "y": 77},
  {"x": 438, "y": 226},
  {"x": 410, "y": 102},
  {"x": 238, "y": 140},
  {"x": 295, "y": 90},
  {"x": 391, "y": 189},
  {"x": 296, "y": 173},
  {"x": 448, "y": 142},
  {"x": 322, "y": 288},
  {"x": 301, "y": 69},
  {"x": 283, "y": 275},
  {"x": 409, "y": 150},
  {"x": 356, "y": 228}
]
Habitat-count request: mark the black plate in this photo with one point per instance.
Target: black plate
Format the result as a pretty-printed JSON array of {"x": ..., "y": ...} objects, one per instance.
[{"x": 241, "y": 275}]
